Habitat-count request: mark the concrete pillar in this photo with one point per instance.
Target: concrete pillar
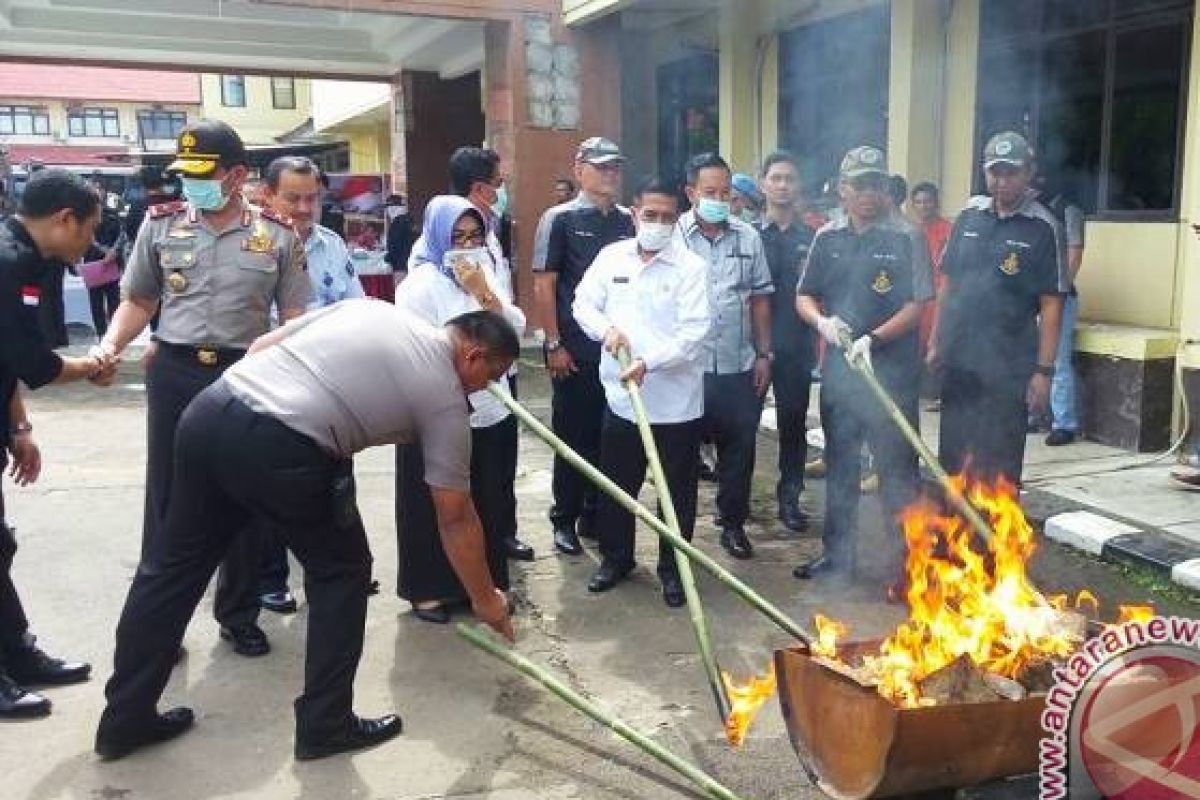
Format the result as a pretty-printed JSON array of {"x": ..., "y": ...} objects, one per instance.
[
  {"x": 916, "y": 105},
  {"x": 738, "y": 97},
  {"x": 957, "y": 139}
]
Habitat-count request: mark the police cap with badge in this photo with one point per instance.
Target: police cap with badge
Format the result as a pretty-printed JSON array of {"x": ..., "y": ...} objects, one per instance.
[{"x": 205, "y": 146}]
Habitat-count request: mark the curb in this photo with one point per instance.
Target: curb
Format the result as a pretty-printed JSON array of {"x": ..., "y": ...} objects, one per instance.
[{"x": 1115, "y": 540}]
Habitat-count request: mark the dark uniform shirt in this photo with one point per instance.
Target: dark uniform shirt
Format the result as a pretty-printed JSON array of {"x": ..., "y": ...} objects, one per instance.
[
  {"x": 786, "y": 252},
  {"x": 998, "y": 269},
  {"x": 24, "y": 353},
  {"x": 866, "y": 279},
  {"x": 577, "y": 235}
]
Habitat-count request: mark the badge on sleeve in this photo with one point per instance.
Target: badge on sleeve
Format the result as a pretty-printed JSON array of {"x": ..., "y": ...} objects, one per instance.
[
  {"x": 260, "y": 240},
  {"x": 883, "y": 282},
  {"x": 177, "y": 282},
  {"x": 31, "y": 296},
  {"x": 1011, "y": 265}
]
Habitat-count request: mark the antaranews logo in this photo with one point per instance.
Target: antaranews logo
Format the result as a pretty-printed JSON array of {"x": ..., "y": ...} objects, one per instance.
[{"x": 1123, "y": 720}]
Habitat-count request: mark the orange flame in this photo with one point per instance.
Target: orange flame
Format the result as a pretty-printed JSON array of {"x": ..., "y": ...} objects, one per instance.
[
  {"x": 964, "y": 601},
  {"x": 746, "y": 700}
]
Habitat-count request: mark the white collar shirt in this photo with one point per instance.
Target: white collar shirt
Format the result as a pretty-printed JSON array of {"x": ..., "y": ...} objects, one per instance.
[
  {"x": 662, "y": 307},
  {"x": 330, "y": 269}
]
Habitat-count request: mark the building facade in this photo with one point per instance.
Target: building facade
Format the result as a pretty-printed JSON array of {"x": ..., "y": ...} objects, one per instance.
[
  {"x": 262, "y": 108},
  {"x": 91, "y": 116},
  {"x": 1107, "y": 90}
]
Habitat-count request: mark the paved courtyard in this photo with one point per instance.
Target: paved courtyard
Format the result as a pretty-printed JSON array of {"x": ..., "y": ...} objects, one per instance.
[{"x": 473, "y": 729}]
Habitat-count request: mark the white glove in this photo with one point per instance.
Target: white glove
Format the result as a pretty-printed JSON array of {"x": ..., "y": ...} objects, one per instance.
[
  {"x": 860, "y": 351},
  {"x": 833, "y": 330}
]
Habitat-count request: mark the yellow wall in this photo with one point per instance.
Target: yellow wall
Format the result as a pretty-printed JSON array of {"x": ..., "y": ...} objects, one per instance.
[
  {"x": 1128, "y": 274},
  {"x": 1187, "y": 297},
  {"x": 370, "y": 146},
  {"x": 258, "y": 121},
  {"x": 958, "y": 160},
  {"x": 738, "y": 95}
]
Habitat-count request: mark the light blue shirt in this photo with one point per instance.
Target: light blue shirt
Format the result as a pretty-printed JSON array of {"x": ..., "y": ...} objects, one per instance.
[{"x": 329, "y": 268}]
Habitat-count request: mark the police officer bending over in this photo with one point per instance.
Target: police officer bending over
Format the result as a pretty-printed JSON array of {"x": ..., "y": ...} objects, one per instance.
[
  {"x": 859, "y": 285},
  {"x": 211, "y": 267},
  {"x": 54, "y": 225},
  {"x": 273, "y": 440}
]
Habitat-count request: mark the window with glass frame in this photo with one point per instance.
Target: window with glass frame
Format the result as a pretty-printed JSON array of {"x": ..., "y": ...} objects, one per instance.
[
  {"x": 283, "y": 92},
  {"x": 24, "y": 121},
  {"x": 233, "y": 90},
  {"x": 93, "y": 122},
  {"x": 1099, "y": 88},
  {"x": 160, "y": 124}
]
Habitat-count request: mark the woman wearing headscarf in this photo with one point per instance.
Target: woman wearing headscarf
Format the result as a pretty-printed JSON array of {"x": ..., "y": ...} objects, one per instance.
[{"x": 452, "y": 273}]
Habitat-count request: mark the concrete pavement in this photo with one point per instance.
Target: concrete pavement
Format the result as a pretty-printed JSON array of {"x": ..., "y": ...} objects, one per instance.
[{"x": 472, "y": 729}]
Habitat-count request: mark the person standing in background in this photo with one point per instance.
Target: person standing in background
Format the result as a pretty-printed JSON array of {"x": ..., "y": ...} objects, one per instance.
[
  {"x": 926, "y": 206},
  {"x": 1064, "y": 392}
]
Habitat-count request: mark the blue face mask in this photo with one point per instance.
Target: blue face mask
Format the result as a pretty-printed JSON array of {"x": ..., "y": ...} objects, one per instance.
[
  {"x": 714, "y": 212},
  {"x": 501, "y": 205},
  {"x": 206, "y": 194}
]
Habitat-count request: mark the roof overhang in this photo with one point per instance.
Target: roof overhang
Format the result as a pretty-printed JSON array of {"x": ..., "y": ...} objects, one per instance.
[{"x": 244, "y": 36}]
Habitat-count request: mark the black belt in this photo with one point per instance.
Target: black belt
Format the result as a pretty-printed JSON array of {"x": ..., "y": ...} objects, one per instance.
[{"x": 204, "y": 355}]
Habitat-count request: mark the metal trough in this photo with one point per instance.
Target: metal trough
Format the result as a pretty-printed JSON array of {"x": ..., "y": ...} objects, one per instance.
[{"x": 856, "y": 744}]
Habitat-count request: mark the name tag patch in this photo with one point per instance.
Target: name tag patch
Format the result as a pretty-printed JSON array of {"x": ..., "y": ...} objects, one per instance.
[{"x": 621, "y": 279}]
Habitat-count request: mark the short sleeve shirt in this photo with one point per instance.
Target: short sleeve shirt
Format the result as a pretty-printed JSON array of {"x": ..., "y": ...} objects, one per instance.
[
  {"x": 998, "y": 269},
  {"x": 865, "y": 278},
  {"x": 216, "y": 288},
  {"x": 737, "y": 271},
  {"x": 363, "y": 373},
  {"x": 24, "y": 354},
  {"x": 577, "y": 235}
]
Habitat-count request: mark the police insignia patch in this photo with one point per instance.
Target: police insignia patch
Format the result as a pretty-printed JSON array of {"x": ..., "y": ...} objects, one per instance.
[
  {"x": 260, "y": 240},
  {"x": 1011, "y": 265},
  {"x": 176, "y": 282},
  {"x": 882, "y": 283}
]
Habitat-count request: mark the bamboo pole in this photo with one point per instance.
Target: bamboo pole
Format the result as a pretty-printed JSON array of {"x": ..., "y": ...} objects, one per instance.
[
  {"x": 955, "y": 495},
  {"x": 686, "y": 577},
  {"x": 606, "y": 485},
  {"x": 479, "y": 637}
]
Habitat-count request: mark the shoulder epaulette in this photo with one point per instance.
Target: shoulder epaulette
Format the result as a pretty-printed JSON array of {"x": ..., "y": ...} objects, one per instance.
[
  {"x": 166, "y": 209},
  {"x": 275, "y": 216}
]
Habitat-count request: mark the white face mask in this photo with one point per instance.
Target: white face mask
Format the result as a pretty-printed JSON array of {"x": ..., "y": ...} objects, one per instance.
[{"x": 653, "y": 237}]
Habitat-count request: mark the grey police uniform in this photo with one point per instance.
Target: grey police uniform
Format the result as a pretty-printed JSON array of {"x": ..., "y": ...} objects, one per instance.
[{"x": 215, "y": 290}]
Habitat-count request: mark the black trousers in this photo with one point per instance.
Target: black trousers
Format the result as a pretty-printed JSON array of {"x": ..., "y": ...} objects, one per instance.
[
  {"x": 13, "y": 622},
  {"x": 792, "y": 380},
  {"x": 851, "y": 417},
  {"x": 174, "y": 379},
  {"x": 623, "y": 459},
  {"x": 234, "y": 466},
  {"x": 104, "y": 301},
  {"x": 732, "y": 410},
  {"x": 577, "y": 413},
  {"x": 425, "y": 571},
  {"x": 983, "y": 425}
]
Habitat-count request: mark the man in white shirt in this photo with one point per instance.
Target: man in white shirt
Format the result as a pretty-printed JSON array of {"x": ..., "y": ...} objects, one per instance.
[
  {"x": 648, "y": 295},
  {"x": 294, "y": 190}
]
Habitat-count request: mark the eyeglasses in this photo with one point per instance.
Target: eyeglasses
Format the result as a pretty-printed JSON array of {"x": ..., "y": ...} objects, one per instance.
[{"x": 474, "y": 235}]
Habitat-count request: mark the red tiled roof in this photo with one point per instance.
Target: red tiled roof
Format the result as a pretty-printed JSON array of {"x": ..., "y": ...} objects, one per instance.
[
  {"x": 53, "y": 155},
  {"x": 63, "y": 82}
]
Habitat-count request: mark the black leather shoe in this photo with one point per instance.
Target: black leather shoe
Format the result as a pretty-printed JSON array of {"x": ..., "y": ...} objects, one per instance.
[
  {"x": 518, "y": 550},
  {"x": 164, "y": 727},
  {"x": 818, "y": 566},
  {"x": 608, "y": 575},
  {"x": 16, "y": 703},
  {"x": 247, "y": 640},
  {"x": 736, "y": 544},
  {"x": 1059, "y": 436},
  {"x": 438, "y": 615},
  {"x": 673, "y": 594},
  {"x": 566, "y": 541},
  {"x": 30, "y": 666},
  {"x": 359, "y": 734},
  {"x": 792, "y": 517}
]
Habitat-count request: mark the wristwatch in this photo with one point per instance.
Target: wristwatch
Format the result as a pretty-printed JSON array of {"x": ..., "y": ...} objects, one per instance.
[
  {"x": 1044, "y": 371},
  {"x": 21, "y": 427},
  {"x": 768, "y": 355}
]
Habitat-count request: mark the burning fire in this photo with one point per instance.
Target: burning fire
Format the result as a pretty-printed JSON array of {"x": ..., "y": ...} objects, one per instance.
[
  {"x": 746, "y": 701},
  {"x": 964, "y": 602}
]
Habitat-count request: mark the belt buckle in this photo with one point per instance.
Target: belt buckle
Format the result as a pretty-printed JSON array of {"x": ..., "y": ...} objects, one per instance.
[{"x": 207, "y": 356}]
